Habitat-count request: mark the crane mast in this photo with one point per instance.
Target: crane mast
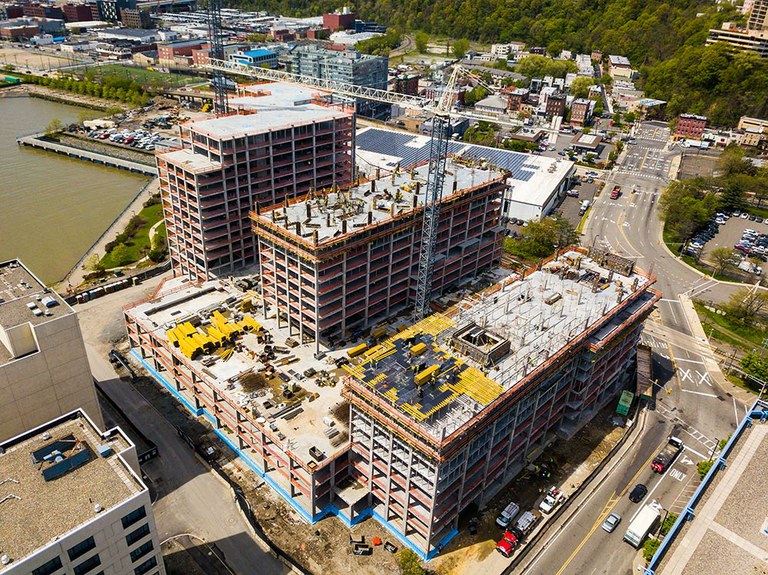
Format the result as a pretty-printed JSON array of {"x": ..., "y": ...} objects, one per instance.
[{"x": 441, "y": 117}]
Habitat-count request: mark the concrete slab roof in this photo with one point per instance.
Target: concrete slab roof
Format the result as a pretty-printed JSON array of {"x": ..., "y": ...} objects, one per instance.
[{"x": 37, "y": 511}]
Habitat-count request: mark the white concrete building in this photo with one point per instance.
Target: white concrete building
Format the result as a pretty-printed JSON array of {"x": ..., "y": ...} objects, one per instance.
[
  {"x": 534, "y": 182},
  {"x": 74, "y": 503},
  {"x": 44, "y": 371}
]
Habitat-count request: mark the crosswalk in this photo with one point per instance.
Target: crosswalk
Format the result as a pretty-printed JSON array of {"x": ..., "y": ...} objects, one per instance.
[
  {"x": 695, "y": 434},
  {"x": 640, "y": 174}
]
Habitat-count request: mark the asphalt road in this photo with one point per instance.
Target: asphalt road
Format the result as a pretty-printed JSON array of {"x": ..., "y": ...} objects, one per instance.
[
  {"x": 191, "y": 499},
  {"x": 688, "y": 401}
]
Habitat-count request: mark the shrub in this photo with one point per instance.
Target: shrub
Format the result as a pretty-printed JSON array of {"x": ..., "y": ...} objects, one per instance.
[
  {"x": 650, "y": 547},
  {"x": 703, "y": 467}
]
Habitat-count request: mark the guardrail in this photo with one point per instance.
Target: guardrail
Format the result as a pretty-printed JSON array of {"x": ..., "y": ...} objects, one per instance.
[{"x": 759, "y": 411}]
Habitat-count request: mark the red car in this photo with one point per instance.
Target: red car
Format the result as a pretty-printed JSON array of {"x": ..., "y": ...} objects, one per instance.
[{"x": 616, "y": 192}]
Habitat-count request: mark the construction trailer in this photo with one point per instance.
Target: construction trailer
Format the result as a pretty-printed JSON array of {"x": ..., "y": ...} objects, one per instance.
[{"x": 334, "y": 262}]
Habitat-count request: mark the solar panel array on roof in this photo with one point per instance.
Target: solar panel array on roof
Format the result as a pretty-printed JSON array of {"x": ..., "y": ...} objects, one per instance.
[{"x": 413, "y": 149}]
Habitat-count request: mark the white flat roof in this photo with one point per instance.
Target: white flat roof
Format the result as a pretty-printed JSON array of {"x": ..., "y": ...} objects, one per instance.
[
  {"x": 266, "y": 118},
  {"x": 189, "y": 160}
]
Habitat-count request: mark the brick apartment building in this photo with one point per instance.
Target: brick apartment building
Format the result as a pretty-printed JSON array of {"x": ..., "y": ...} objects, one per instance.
[
  {"x": 228, "y": 165},
  {"x": 690, "y": 126},
  {"x": 581, "y": 111},
  {"x": 77, "y": 12}
]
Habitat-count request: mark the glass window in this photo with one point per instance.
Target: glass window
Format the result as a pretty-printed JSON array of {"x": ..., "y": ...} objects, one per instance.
[
  {"x": 141, "y": 550},
  {"x": 134, "y": 516},
  {"x": 81, "y": 549},
  {"x": 139, "y": 533},
  {"x": 87, "y": 565},
  {"x": 146, "y": 566},
  {"x": 47, "y": 568}
]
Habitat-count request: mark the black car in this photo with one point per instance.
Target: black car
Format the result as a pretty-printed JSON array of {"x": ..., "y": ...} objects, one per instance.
[{"x": 638, "y": 493}]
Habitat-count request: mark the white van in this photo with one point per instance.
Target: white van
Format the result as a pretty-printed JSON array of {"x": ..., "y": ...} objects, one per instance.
[{"x": 507, "y": 515}]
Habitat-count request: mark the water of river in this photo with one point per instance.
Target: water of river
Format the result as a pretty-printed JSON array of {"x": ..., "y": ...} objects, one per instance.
[{"x": 52, "y": 208}]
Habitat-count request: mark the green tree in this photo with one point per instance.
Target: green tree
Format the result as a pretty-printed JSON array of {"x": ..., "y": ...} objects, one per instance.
[
  {"x": 649, "y": 548},
  {"x": 54, "y": 127},
  {"x": 482, "y": 133},
  {"x": 473, "y": 96},
  {"x": 703, "y": 468},
  {"x": 460, "y": 48},
  {"x": 93, "y": 263},
  {"x": 121, "y": 255},
  {"x": 722, "y": 259},
  {"x": 421, "y": 39},
  {"x": 669, "y": 521},
  {"x": 409, "y": 563},
  {"x": 629, "y": 117},
  {"x": 555, "y": 47},
  {"x": 580, "y": 86},
  {"x": 746, "y": 306},
  {"x": 159, "y": 250},
  {"x": 538, "y": 239},
  {"x": 755, "y": 366}
]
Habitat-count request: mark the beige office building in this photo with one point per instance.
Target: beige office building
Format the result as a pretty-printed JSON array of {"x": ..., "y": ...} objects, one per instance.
[{"x": 44, "y": 370}]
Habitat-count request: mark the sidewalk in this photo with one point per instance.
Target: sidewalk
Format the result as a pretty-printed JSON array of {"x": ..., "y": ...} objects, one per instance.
[
  {"x": 710, "y": 363},
  {"x": 76, "y": 275}
]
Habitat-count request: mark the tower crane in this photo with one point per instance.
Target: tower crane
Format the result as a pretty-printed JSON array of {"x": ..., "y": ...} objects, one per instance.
[{"x": 441, "y": 113}]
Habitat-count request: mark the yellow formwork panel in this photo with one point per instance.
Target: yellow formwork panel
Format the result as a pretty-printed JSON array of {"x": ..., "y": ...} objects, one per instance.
[
  {"x": 418, "y": 349},
  {"x": 172, "y": 336},
  {"x": 374, "y": 350},
  {"x": 474, "y": 384},
  {"x": 426, "y": 374},
  {"x": 357, "y": 350}
]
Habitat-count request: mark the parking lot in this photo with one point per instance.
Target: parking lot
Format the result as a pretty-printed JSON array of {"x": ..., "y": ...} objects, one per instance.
[{"x": 731, "y": 233}]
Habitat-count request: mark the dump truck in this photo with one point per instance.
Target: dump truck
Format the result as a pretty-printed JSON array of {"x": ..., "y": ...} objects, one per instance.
[
  {"x": 667, "y": 455},
  {"x": 643, "y": 523}
]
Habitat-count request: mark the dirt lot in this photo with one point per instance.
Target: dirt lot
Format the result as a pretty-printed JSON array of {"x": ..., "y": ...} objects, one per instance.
[
  {"x": 36, "y": 59},
  {"x": 695, "y": 164}
]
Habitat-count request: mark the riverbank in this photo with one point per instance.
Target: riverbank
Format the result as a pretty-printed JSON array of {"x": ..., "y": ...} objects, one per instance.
[
  {"x": 70, "y": 98},
  {"x": 76, "y": 275}
]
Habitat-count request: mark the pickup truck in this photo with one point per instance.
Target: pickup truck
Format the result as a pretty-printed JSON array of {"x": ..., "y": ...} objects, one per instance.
[
  {"x": 616, "y": 192},
  {"x": 553, "y": 498},
  {"x": 667, "y": 455}
]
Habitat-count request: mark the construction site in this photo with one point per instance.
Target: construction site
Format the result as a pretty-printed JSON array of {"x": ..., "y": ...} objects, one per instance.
[
  {"x": 337, "y": 261},
  {"x": 280, "y": 141},
  {"x": 414, "y": 423}
]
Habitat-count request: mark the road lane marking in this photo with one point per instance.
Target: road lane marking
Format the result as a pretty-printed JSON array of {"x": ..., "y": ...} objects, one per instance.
[
  {"x": 677, "y": 474},
  {"x": 685, "y": 374},
  {"x": 686, "y": 460},
  {"x": 695, "y": 452},
  {"x": 735, "y": 412},
  {"x": 679, "y": 359},
  {"x": 672, "y": 300},
  {"x": 607, "y": 509},
  {"x": 704, "y": 378},
  {"x": 699, "y": 393}
]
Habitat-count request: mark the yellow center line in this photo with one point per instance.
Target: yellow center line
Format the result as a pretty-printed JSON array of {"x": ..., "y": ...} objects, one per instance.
[
  {"x": 609, "y": 506},
  {"x": 645, "y": 157}
]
